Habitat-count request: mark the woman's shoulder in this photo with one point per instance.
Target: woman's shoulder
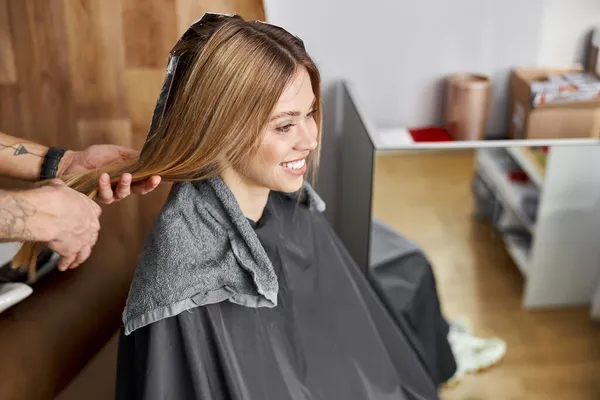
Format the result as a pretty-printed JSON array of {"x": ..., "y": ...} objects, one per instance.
[
  {"x": 188, "y": 260},
  {"x": 187, "y": 233},
  {"x": 307, "y": 196},
  {"x": 189, "y": 212},
  {"x": 183, "y": 198}
]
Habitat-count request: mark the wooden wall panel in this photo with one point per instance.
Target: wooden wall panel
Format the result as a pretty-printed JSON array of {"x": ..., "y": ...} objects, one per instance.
[
  {"x": 248, "y": 9},
  {"x": 44, "y": 95},
  {"x": 189, "y": 11},
  {"x": 8, "y": 69},
  {"x": 143, "y": 87},
  {"x": 96, "y": 57},
  {"x": 79, "y": 72},
  {"x": 114, "y": 131},
  {"x": 150, "y": 32},
  {"x": 9, "y": 108}
]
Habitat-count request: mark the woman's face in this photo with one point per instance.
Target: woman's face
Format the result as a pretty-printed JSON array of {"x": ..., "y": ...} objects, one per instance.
[{"x": 290, "y": 136}]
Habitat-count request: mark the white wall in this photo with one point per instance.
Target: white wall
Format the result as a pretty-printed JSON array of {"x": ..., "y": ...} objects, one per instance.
[
  {"x": 396, "y": 53},
  {"x": 565, "y": 30}
]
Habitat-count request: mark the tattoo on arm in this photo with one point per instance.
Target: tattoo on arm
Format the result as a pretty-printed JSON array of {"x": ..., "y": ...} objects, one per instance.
[
  {"x": 19, "y": 150},
  {"x": 15, "y": 213}
]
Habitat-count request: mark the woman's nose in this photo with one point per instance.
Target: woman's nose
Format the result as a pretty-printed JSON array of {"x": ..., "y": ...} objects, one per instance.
[{"x": 307, "y": 139}]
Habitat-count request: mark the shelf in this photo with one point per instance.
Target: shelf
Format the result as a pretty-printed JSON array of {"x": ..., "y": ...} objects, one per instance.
[
  {"x": 511, "y": 194},
  {"x": 519, "y": 251},
  {"x": 530, "y": 163},
  {"x": 395, "y": 139}
]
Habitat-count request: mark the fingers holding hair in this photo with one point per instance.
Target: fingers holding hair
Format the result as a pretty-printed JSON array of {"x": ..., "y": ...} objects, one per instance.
[
  {"x": 146, "y": 186},
  {"x": 106, "y": 195},
  {"x": 105, "y": 192},
  {"x": 123, "y": 187}
]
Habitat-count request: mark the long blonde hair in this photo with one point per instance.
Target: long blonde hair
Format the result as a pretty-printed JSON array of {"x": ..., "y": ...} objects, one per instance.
[{"x": 236, "y": 71}]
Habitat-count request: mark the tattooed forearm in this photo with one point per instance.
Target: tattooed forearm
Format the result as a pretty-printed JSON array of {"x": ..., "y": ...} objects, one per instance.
[
  {"x": 15, "y": 213},
  {"x": 20, "y": 149},
  {"x": 20, "y": 158}
]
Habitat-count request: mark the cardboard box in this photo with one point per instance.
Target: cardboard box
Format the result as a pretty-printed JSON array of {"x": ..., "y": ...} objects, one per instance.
[{"x": 573, "y": 119}]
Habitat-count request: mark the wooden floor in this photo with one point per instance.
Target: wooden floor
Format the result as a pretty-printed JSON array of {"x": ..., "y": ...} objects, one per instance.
[{"x": 551, "y": 354}]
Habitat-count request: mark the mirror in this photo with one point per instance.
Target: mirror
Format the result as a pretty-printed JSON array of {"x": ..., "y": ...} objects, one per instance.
[{"x": 486, "y": 253}]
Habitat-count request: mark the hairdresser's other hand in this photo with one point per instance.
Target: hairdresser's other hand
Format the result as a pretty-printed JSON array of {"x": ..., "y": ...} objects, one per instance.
[
  {"x": 103, "y": 155},
  {"x": 67, "y": 221}
]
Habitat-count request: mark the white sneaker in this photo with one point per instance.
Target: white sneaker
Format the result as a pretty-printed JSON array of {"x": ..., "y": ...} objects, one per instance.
[{"x": 472, "y": 354}]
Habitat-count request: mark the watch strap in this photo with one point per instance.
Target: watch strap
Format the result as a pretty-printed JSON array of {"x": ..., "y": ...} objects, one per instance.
[{"x": 50, "y": 163}]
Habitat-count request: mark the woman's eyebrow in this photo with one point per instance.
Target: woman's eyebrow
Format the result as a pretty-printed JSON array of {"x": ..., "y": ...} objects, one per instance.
[
  {"x": 286, "y": 114},
  {"x": 290, "y": 113}
]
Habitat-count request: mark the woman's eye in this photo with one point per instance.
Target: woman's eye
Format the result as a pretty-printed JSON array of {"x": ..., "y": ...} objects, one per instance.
[{"x": 285, "y": 128}]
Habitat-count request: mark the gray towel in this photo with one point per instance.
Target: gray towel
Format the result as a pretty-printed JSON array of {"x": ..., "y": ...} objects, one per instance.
[{"x": 202, "y": 250}]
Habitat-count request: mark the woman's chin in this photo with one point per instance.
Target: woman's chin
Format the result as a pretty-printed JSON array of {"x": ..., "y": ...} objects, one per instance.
[{"x": 289, "y": 186}]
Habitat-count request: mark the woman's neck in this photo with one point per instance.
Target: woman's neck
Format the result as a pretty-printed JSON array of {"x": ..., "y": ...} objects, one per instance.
[{"x": 252, "y": 199}]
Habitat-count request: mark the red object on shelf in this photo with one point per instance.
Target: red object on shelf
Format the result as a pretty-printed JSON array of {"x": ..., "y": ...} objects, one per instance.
[
  {"x": 430, "y": 134},
  {"x": 518, "y": 176}
]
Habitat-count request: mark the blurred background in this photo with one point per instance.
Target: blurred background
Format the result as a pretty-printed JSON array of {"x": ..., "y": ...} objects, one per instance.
[{"x": 79, "y": 72}]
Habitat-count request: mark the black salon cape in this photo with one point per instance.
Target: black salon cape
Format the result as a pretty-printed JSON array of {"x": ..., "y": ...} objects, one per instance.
[
  {"x": 407, "y": 287},
  {"x": 329, "y": 337}
]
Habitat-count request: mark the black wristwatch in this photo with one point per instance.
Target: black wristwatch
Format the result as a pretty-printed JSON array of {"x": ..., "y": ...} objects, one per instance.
[{"x": 50, "y": 164}]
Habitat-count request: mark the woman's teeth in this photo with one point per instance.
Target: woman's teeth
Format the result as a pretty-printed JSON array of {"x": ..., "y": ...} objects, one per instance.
[{"x": 294, "y": 164}]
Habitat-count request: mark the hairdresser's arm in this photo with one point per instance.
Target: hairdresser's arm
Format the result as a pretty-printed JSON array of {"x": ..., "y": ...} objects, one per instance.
[
  {"x": 66, "y": 220},
  {"x": 103, "y": 155},
  {"x": 22, "y": 159}
]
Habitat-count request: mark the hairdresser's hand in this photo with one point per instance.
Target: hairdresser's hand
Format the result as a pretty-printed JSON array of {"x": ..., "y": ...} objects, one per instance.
[
  {"x": 99, "y": 156},
  {"x": 66, "y": 220}
]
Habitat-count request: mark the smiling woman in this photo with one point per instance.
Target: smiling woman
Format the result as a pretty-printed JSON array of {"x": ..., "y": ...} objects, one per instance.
[
  {"x": 242, "y": 290},
  {"x": 287, "y": 141}
]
